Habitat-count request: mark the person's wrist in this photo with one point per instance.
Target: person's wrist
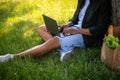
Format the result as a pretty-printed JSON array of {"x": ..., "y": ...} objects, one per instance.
[{"x": 77, "y": 31}]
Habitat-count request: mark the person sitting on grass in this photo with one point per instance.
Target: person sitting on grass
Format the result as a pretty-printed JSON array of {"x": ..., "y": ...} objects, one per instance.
[{"x": 86, "y": 28}]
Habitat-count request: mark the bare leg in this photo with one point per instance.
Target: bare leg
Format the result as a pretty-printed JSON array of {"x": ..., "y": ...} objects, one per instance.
[
  {"x": 43, "y": 48},
  {"x": 50, "y": 44},
  {"x": 43, "y": 33}
]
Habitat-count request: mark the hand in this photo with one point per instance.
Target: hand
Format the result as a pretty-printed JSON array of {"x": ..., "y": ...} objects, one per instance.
[
  {"x": 73, "y": 31},
  {"x": 68, "y": 31},
  {"x": 61, "y": 27}
]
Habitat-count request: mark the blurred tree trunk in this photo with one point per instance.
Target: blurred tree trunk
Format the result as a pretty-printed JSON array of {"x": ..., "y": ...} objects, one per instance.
[{"x": 116, "y": 12}]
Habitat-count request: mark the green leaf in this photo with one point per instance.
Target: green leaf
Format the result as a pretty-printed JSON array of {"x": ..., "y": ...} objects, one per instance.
[{"x": 111, "y": 41}]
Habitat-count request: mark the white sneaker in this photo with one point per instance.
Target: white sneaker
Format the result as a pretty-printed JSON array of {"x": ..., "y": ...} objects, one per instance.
[
  {"x": 6, "y": 57},
  {"x": 66, "y": 55}
]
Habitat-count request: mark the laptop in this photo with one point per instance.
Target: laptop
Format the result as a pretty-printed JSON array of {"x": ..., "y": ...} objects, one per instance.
[{"x": 51, "y": 25}]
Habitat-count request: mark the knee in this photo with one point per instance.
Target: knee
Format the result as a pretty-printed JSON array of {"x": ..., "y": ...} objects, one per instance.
[
  {"x": 55, "y": 39},
  {"x": 41, "y": 28}
]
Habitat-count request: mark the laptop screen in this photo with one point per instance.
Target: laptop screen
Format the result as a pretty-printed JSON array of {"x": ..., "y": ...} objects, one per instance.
[{"x": 51, "y": 25}]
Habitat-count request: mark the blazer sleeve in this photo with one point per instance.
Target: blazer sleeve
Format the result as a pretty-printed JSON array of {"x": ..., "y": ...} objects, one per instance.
[{"x": 103, "y": 21}]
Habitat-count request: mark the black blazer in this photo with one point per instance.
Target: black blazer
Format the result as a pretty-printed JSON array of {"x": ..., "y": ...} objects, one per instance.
[{"x": 97, "y": 20}]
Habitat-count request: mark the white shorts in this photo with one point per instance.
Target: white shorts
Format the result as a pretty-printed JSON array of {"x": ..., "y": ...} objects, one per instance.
[{"x": 70, "y": 42}]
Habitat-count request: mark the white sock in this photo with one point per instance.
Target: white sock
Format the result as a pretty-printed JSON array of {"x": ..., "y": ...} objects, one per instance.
[{"x": 6, "y": 57}]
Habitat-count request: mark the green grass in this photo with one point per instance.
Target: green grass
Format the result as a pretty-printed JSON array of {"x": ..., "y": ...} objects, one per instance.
[{"x": 19, "y": 21}]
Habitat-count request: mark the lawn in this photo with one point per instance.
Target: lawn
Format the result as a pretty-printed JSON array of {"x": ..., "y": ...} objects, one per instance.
[{"x": 19, "y": 21}]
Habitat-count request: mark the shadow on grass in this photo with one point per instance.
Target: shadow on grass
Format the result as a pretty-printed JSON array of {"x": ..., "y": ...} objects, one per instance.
[
  {"x": 8, "y": 9},
  {"x": 21, "y": 35}
]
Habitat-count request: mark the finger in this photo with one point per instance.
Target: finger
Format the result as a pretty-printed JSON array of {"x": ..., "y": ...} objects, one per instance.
[{"x": 66, "y": 34}]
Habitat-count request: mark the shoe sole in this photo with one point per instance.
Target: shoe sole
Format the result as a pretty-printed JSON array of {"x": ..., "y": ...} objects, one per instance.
[{"x": 66, "y": 56}]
